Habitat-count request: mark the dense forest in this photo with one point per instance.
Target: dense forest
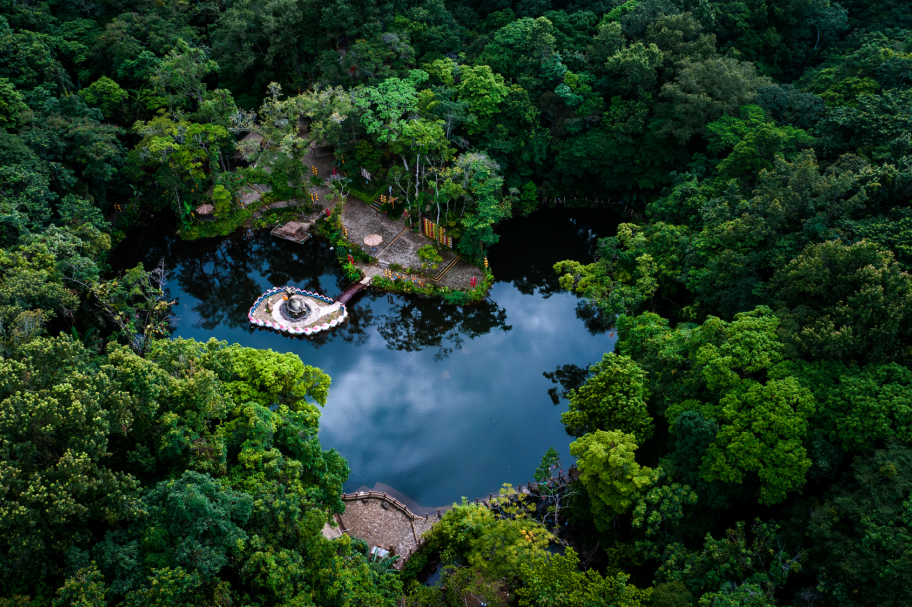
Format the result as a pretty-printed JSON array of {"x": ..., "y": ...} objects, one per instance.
[{"x": 748, "y": 443}]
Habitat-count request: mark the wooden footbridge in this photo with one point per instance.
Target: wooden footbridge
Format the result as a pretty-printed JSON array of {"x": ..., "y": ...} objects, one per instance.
[{"x": 352, "y": 289}]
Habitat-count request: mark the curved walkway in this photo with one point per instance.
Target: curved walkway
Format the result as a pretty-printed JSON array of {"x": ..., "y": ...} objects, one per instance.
[{"x": 382, "y": 520}]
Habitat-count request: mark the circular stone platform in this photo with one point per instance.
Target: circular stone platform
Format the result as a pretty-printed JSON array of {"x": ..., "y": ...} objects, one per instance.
[{"x": 321, "y": 313}]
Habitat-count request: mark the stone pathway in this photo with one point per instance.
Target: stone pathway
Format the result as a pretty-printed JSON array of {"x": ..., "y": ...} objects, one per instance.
[
  {"x": 381, "y": 520},
  {"x": 400, "y": 246}
]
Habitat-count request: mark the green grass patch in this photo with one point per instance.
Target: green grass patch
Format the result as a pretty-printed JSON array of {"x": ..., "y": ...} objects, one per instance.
[
  {"x": 452, "y": 296},
  {"x": 219, "y": 227},
  {"x": 274, "y": 217}
]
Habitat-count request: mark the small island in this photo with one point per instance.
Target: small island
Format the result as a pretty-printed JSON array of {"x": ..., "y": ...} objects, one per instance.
[{"x": 296, "y": 311}]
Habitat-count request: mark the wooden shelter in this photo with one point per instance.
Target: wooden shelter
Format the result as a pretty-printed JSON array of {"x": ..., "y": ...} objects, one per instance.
[{"x": 293, "y": 230}]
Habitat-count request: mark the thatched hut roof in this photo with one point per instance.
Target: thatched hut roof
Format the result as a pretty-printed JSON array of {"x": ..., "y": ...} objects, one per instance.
[{"x": 292, "y": 227}]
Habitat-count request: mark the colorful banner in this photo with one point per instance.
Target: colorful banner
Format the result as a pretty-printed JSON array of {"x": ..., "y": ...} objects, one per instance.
[{"x": 435, "y": 232}]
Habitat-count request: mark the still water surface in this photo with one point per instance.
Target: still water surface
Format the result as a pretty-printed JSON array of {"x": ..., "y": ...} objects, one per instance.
[{"x": 429, "y": 401}]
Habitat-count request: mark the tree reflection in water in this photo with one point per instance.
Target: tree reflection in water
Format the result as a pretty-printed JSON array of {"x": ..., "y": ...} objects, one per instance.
[
  {"x": 225, "y": 276},
  {"x": 414, "y": 324},
  {"x": 554, "y": 233}
]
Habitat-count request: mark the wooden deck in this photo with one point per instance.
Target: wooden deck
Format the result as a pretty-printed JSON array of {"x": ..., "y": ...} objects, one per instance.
[{"x": 277, "y": 232}]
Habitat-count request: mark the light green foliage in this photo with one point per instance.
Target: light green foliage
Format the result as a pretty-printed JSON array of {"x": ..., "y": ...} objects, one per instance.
[
  {"x": 269, "y": 378},
  {"x": 135, "y": 304},
  {"x": 762, "y": 430},
  {"x": 626, "y": 273},
  {"x": 85, "y": 588},
  {"x": 429, "y": 256},
  {"x": 484, "y": 91},
  {"x": 222, "y": 200},
  {"x": 734, "y": 375},
  {"x": 180, "y": 75},
  {"x": 846, "y": 92},
  {"x": 57, "y": 415},
  {"x": 671, "y": 594},
  {"x": 635, "y": 66},
  {"x": 12, "y": 109},
  {"x": 613, "y": 398},
  {"x": 105, "y": 94},
  {"x": 386, "y": 105},
  {"x": 610, "y": 473},
  {"x": 662, "y": 507},
  {"x": 550, "y": 461},
  {"x": 751, "y": 142},
  {"x": 616, "y": 13},
  {"x": 442, "y": 71},
  {"x": 481, "y": 183},
  {"x": 495, "y": 547},
  {"x": 179, "y": 152},
  {"x": 31, "y": 291},
  {"x": 558, "y": 582},
  {"x": 245, "y": 471},
  {"x": 748, "y": 346}
]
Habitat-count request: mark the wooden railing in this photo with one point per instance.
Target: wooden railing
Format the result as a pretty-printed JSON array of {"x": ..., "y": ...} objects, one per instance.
[{"x": 348, "y": 497}]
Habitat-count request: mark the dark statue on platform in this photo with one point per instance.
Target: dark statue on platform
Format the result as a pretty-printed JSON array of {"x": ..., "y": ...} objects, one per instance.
[{"x": 294, "y": 307}]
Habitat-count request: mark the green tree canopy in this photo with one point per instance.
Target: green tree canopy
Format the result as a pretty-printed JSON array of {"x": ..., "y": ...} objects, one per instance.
[{"x": 613, "y": 398}]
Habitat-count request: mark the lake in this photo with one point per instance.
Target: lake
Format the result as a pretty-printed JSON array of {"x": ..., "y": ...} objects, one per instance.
[{"x": 429, "y": 402}]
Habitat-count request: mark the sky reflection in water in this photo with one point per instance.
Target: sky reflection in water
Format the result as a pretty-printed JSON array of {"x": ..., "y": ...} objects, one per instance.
[{"x": 435, "y": 401}]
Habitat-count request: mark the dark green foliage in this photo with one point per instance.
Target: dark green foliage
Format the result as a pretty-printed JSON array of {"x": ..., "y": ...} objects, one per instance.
[
  {"x": 761, "y": 150},
  {"x": 859, "y": 536},
  {"x": 844, "y": 302},
  {"x": 193, "y": 523}
]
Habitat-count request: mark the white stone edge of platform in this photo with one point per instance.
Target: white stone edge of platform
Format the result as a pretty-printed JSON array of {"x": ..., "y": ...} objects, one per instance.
[{"x": 294, "y": 330}]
